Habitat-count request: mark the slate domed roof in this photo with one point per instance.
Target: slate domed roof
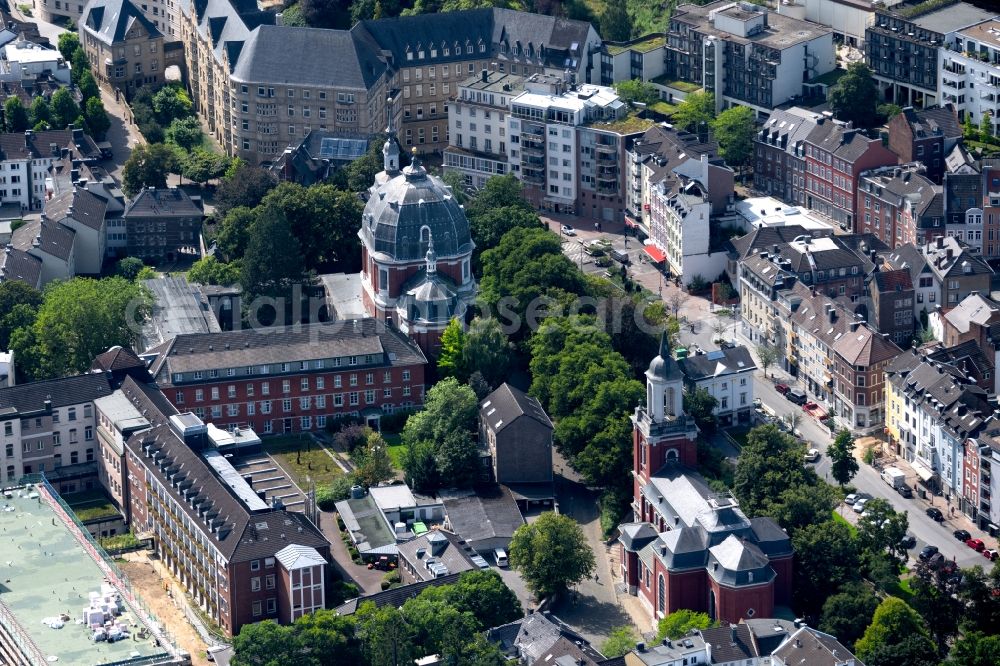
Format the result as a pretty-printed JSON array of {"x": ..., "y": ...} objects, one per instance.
[
  {"x": 404, "y": 211},
  {"x": 664, "y": 367}
]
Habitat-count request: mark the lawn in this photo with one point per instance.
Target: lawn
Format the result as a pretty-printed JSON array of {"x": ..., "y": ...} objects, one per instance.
[
  {"x": 303, "y": 458},
  {"x": 91, "y": 505},
  {"x": 740, "y": 435},
  {"x": 837, "y": 518},
  {"x": 396, "y": 450},
  {"x": 830, "y": 77}
]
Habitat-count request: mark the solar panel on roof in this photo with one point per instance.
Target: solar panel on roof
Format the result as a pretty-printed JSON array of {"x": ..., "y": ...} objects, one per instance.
[{"x": 342, "y": 149}]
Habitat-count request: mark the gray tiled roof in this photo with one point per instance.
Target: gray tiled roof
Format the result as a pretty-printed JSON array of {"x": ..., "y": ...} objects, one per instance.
[
  {"x": 238, "y": 349},
  {"x": 537, "y": 636},
  {"x": 441, "y": 547},
  {"x": 839, "y": 140},
  {"x": 506, "y": 404},
  {"x": 276, "y": 54},
  {"x": 634, "y": 536},
  {"x": 732, "y": 643},
  {"x": 738, "y": 560},
  {"x": 17, "y": 264},
  {"x": 163, "y": 202},
  {"x": 32, "y": 145},
  {"x": 110, "y": 20},
  {"x": 727, "y": 361},
  {"x": 809, "y": 647},
  {"x": 87, "y": 208},
  {"x": 53, "y": 238},
  {"x": 396, "y": 596},
  {"x": 62, "y": 392},
  {"x": 486, "y": 513},
  {"x": 787, "y": 128}
]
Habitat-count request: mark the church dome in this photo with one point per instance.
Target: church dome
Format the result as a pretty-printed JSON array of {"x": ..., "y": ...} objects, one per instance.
[
  {"x": 664, "y": 367},
  {"x": 409, "y": 207}
]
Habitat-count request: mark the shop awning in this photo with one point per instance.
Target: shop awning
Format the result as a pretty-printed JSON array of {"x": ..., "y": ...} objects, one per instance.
[
  {"x": 655, "y": 253},
  {"x": 631, "y": 223},
  {"x": 923, "y": 471}
]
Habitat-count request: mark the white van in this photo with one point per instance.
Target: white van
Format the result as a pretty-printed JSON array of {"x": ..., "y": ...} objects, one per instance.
[{"x": 501, "y": 557}]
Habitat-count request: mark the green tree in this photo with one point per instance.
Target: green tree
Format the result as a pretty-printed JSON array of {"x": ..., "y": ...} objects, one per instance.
[
  {"x": 854, "y": 97},
  {"x": 420, "y": 466},
  {"x": 826, "y": 557},
  {"x": 439, "y": 439},
  {"x": 486, "y": 350},
  {"x": 362, "y": 171},
  {"x": 484, "y": 594},
  {"x": 499, "y": 192},
  {"x": 68, "y": 43},
  {"x": 887, "y": 112},
  {"x": 234, "y": 231},
  {"x": 148, "y": 166},
  {"x": 385, "y": 635},
  {"x": 637, "y": 91},
  {"x": 96, "y": 118},
  {"x": 324, "y": 638},
  {"x": 201, "y": 165},
  {"x": 734, "y": 129},
  {"x": 39, "y": 112},
  {"x": 986, "y": 127},
  {"x": 551, "y": 554},
  {"x": 273, "y": 260},
  {"x": 77, "y": 320},
  {"x": 974, "y": 649},
  {"x": 936, "y": 598},
  {"x": 767, "y": 354},
  {"x": 78, "y": 65},
  {"x": 185, "y": 133},
  {"x": 620, "y": 641},
  {"x": 843, "y": 465},
  {"x": 243, "y": 185},
  {"x": 15, "y": 116},
  {"x": 170, "y": 103},
  {"x": 262, "y": 644},
  {"x": 805, "y": 504},
  {"x": 452, "y": 344},
  {"x": 848, "y": 613},
  {"x": 701, "y": 405},
  {"x": 770, "y": 463},
  {"x": 16, "y": 294},
  {"x": 897, "y": 635},
  {"x": 64, "y": 108},
  {"x": 488, "y": 227},
  {"x": 697, "y": 109},
  {"x": 882, "y": 529},
  {"x": 980, "y": 595},
  {"x": 88, "y": 86},
  {"x": 212, "y": 271},
  {"x": 129, "y": 268},
  {"x": 680, "y": 622},
  {"x": 372, "y": 464},
  {"x": 616, "y": 26},
  {"x": 449, "y": 406},
  {"x": 458, "y": 459}
]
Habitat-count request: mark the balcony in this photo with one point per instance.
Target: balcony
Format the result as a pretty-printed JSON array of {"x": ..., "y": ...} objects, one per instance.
[{"x": 605, "y": 149}]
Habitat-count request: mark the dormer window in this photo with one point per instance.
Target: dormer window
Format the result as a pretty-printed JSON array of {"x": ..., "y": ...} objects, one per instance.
[{"x": 409, "y": 54}]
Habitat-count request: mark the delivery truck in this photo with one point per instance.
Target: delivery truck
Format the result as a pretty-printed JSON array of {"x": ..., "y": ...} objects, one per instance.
[{"x": 894, "y": 477}]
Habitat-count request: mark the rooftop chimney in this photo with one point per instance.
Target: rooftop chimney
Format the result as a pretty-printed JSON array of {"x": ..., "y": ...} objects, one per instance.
[{"x": 485, "y": 74}]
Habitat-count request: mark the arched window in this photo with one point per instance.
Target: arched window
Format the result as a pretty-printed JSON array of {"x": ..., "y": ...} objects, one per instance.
[
  {"x": 661, "y": 600},
  {"x": 668, "y": 402},
  {"x": 672, "y": 455}
]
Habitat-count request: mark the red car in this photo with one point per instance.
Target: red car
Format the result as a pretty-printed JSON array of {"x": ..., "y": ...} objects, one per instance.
[
  {"x": 809, "y": 406},
  {"x": 781, "y": 388},
  {"x": 976, "y": 545},
  {"x": 990, "y": 554}
]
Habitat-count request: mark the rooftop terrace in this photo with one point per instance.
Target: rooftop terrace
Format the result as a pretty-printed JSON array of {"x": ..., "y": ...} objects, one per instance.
[{"x": 38, "y": 549}]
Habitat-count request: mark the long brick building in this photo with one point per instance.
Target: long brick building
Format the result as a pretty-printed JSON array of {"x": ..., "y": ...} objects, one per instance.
[{"x": 291, "y": 380}]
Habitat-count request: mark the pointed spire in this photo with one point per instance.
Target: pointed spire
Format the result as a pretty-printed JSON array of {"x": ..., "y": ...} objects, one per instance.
[
  {"x": 664, "y": 345},
  {"x": 431, "y": 257},
  {"x": 390, "y": 151}
]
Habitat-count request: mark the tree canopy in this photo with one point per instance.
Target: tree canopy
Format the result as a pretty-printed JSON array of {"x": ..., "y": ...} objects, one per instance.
[
  {"x": 854, "y": 97},
  {"x": 848, "y": 613},
  {"x": 15, "y": 294},
  {"x": 696, "y": 109},
  {"x": 680, "y": 622},
  {"x": 551, "y": 554},
  {"x": 148, "y": 166},
  {"x": 734, "y": 129},
  {"x": 897, "y": 636},
  {"x": 843, "y": 465},
  {"x": 440, "y": 438}
]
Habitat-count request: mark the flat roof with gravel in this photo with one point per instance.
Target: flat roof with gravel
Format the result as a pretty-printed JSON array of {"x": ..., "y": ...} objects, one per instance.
[{"x": 44, "y": 574}]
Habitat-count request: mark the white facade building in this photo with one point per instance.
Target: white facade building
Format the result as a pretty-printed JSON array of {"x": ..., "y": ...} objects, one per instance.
[
  {"x": 26, "y": 61},
  {"x": 969, "y": 72}
]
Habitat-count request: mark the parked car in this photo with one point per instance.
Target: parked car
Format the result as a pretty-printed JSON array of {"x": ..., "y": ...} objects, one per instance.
[
  {"x": 854, "y": 497},
  {"x": 859, "y": 506},
  {"x": 961, "y": 535},
  {"x": 927, "y": 553},
  {"x": 905, "y": 491},
  {"x": 812, "y": 455},
  {"x": 781, "y": 388},
  {"x": 568, "y": 230},
  {"x": 796, "y": 396},
  {"x": 991, "y": 554},
  {"x": 935, "y": 514},
  {"x": 908, "y": 542},
  {"x": 500, "y": 555},
  {"x": 976, "y": 545},
  {"x": 809, "y": 405}
]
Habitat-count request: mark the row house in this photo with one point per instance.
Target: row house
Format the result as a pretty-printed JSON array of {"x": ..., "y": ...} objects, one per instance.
[
  {"x": 903, "y": 50},
  {"x": 943, "y": 272},
  {"x": 969, "y": 75},
  {"x": 925, "y": 135},
  {"x": 836, "y": 155},
  {"x": 48, "y": 427},
  {"x": 974, "y": 326},
  {"x": 295, "y": 380},
  {"x": 900, "y": 204},
  {"x": 932, "y": 410},
  {"x": 124, "y": 48},
  {"x": 963, "y": 200},
  {"x": 745, "y": 54},
  {"x": 981, "y": 488},
  {"x": 651, "y": 158},
  {"x": 27, "y": 160},
  {"x": 888, "y": 307},
  {"x": 779, "y": 154},
  {"x": 238, "y": 558},
  {"x": 683, "y": 206}
]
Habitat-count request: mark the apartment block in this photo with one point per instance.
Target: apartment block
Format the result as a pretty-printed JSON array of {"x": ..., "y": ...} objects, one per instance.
[
  {"x": 124, "y": 48},
  {"x": 969, "y": 76},
  {"x": 902, "y": 49},
  {"x": 567, "y": 144},
  {"x": 26, "y": 160},
  {"x": 642, "y": 58},
  {"x": 162, "y": 224},
  {"x": 928, "y": 135},
  {"x": 900, "y": 204},
  {"x": 477, "y": 126},
  {"x": 836, "y": 155},
  {"x": 745, "y": 54},
  {"x": 284, "y": 381},
  {"x": 780, "y": 154}
]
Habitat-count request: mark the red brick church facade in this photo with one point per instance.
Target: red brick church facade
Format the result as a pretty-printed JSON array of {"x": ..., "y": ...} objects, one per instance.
[{"x": 688, "y": 547}]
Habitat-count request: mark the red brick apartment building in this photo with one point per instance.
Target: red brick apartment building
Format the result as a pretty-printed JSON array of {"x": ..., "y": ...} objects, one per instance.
[{"x": 292, "y": 380}]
